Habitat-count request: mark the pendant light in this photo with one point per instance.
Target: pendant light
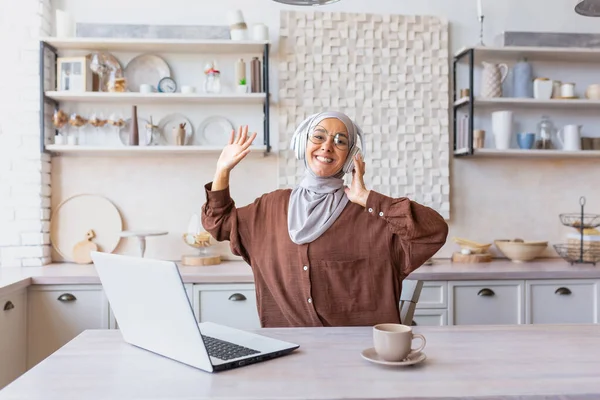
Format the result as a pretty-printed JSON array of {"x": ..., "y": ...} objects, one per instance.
[
  {"x": 306, "y": 2},
  {"x": 588, "y": 8}
]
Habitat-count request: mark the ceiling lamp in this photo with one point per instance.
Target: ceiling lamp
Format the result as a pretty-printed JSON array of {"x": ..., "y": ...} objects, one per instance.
[
  {"x": 588, "y": 8},
  {"x": 307, "y": 2}
]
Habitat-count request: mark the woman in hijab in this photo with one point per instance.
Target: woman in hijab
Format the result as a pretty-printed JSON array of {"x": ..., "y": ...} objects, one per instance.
[{"x": 323, "y": 254}]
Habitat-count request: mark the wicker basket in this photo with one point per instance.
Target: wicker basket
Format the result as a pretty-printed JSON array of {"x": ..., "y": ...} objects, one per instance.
[{"x": 591, "y": 247}]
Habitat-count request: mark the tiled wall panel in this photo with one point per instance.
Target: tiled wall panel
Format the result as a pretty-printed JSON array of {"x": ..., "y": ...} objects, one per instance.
[{"x": 390, "y": 73}]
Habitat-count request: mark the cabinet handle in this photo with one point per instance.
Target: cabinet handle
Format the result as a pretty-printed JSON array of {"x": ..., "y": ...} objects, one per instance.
[
  {"x": 486, "y": 292},
  {"x": 66, "y": 297},
  {"x": 237, "y": 297},
  {"x": 563, "y": 291},
  {"x": 8, "y": 305}
]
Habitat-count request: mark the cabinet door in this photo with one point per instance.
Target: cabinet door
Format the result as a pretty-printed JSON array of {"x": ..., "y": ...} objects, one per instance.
[
  {"x": 430, "y": 317},
  {"x": 58, "y": 313},
  {"x": 562, "y": 301},
  {"x": 434, "y": 294},
  {"x": 230, "y": 305},
  {"x": 13, "y": 336},
  {"x": 486, "y": 303}
]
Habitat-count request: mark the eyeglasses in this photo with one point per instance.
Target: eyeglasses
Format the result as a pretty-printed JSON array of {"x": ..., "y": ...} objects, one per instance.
[{"x": 319, "y": 136}]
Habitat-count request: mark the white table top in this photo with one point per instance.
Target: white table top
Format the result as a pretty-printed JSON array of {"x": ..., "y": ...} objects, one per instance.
[{"x": 499, "y": 362}]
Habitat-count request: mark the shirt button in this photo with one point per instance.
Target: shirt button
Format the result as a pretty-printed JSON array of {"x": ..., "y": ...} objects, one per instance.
[
  {"x": 381, "y": 213},
  {"x": 309, "y": 300},
  {"x": 305, "y": 268},
  {"x": 370, "y": 210}
]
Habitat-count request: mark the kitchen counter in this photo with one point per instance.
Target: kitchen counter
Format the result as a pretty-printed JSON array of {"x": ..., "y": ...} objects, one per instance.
[
  {"x": 240, "y": 272},
  {"x": 476, "y": 362}
]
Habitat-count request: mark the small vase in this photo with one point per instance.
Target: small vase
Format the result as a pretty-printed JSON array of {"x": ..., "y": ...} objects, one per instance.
[
  {"x": 242, "y": 88},
  {"x": 179, "y": 134}
]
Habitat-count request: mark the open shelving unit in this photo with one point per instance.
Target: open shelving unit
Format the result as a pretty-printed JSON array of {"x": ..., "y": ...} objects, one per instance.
[
  {"x": 474, "y": 55},
  {"x": 54, "y": 98},
  {"x": 67, "y": 150}
]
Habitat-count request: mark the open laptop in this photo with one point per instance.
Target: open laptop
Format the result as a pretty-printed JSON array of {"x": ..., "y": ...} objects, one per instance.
[{"x": 150, "y": 304}]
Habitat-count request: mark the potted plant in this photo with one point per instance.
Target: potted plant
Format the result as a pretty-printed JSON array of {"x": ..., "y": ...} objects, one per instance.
[{"x": 242, "y": 87}]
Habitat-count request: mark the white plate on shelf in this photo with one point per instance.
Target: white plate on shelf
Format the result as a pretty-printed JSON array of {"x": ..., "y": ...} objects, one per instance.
[
  {"x": 145, "y": 68},
  {"x": 171, "y": 121},
  {"x": 215, "y": 131}
]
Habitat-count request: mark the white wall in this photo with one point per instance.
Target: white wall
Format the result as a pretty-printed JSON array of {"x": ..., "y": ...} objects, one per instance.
[{"x": 490, "y": 198}]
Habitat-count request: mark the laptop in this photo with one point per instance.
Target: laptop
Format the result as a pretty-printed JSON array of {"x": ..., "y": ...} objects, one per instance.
[{"x": 150, "y": 304}]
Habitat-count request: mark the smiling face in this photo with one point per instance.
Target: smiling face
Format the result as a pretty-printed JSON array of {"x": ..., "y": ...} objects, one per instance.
[{"x": 327, "y": 147}]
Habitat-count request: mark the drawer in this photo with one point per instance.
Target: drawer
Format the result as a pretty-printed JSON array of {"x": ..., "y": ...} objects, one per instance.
[
  {"x": 486, "y": 302},
  {"x": 434, "y": 294},
  {"x": 430, "y": 317},
  {"x": 562, "y": 302},
  {"x": 230, "y": 305}
]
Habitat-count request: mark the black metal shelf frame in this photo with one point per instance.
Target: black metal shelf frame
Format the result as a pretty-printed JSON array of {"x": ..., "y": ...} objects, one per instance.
[
  {"x": 470, "y": 53},
  {"x": 44, "y": 46}
]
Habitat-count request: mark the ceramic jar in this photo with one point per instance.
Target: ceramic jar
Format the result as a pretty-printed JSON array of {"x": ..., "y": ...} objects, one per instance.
[
  {"x": 593, "y": 92},
  {"x": 522, "y": 81},
  {"x": 542, "y": 88}
]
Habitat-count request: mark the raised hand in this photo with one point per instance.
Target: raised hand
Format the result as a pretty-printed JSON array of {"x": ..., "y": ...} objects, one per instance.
[
  {"x": 357, "y": 192},
  {"x": 235, "y": 150}
]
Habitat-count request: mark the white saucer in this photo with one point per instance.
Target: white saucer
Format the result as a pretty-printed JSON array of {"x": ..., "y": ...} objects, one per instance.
[{"x": 371, "y": 355}]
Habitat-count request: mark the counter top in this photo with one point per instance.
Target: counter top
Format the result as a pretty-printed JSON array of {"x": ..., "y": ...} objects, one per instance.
[
  {"x": 553, "y": 362},
  {"x": 240, "y": 272}
]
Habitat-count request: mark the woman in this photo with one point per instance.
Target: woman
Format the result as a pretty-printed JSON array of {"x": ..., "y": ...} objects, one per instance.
[{"x": 323, "y": 254}]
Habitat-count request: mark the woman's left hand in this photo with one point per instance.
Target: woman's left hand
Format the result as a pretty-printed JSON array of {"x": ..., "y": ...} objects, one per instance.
[{"x": 357, "y": 192}]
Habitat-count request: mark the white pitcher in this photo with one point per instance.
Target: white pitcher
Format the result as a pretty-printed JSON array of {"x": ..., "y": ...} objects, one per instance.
[
  {"x": 502, "y": 127},
  {"x": 570, "y": 138},
  {"x": 492, "y": 77}
]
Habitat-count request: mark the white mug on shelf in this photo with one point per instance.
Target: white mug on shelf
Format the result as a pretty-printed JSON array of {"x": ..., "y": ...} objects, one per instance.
[
  {"x": 570, "y": 138},
  {"x": 146, "y": 88},
  {"x": 502, "y": 123}
]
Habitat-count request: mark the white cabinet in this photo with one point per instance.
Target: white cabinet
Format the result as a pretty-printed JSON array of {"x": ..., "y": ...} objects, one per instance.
[
  {"x": 430, "y": 317},
  {"x": 486, "y": 302},
  {"x": 231, "y": 305},
  {"x": 562, "y": 301},
  {"x": 13, "y": 336},
  {"x": 58, "y": 313}
]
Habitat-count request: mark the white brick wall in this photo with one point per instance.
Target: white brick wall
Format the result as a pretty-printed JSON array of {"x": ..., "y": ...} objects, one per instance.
[{"x": 24, "y": 172}]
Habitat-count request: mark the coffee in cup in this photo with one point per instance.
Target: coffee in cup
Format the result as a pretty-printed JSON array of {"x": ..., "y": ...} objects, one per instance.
[{"x": 393, "y": 342}]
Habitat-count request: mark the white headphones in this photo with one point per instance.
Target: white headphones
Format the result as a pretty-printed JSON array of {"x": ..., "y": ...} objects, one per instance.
[{"x": 298, "y": 143}]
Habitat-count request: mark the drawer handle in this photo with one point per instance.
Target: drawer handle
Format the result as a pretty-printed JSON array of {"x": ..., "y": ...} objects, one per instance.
[
  {"x": 563, "y": 291},
  {"x": 486, "y": 292},
  {"x": 237, "y": 297},
  {"x": 66, "y": 297},
  {"x": 8, "y": 305}
]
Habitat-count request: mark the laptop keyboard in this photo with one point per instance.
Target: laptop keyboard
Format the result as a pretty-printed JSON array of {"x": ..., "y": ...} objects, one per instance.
[{"x": 225, "y": 350}]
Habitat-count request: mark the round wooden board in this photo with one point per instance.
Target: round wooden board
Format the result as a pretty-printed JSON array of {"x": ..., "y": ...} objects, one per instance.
[
  {"x": 471, "y": 258},
  {"x": 193, "y": 260},
  {"x": 76, "y": 215}
]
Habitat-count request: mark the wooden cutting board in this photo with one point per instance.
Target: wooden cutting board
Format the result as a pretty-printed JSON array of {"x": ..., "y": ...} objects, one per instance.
[{"x": 471, "y": 258}]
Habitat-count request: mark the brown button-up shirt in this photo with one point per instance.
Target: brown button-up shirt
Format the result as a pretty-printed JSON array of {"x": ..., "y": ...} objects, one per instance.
[{"x": 350, "y": 275}]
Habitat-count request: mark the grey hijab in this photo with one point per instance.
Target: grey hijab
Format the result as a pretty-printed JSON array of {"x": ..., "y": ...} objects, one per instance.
[{"x": 317, "y": 202}]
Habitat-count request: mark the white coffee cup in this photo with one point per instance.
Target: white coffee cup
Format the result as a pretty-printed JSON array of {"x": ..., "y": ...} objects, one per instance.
[
  {"x": 146, "y": 88},
  {"x": 502, "y": 126},
  {"x": 393, "y": 342},
  {"x": 570, "y": 138},
  {"x": 567, "y": 90},
  {"x": 187, "y": 89}
]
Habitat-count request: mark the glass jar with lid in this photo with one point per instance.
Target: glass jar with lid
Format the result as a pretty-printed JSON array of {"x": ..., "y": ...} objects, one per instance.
[{"x": 546, "y": 134}]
